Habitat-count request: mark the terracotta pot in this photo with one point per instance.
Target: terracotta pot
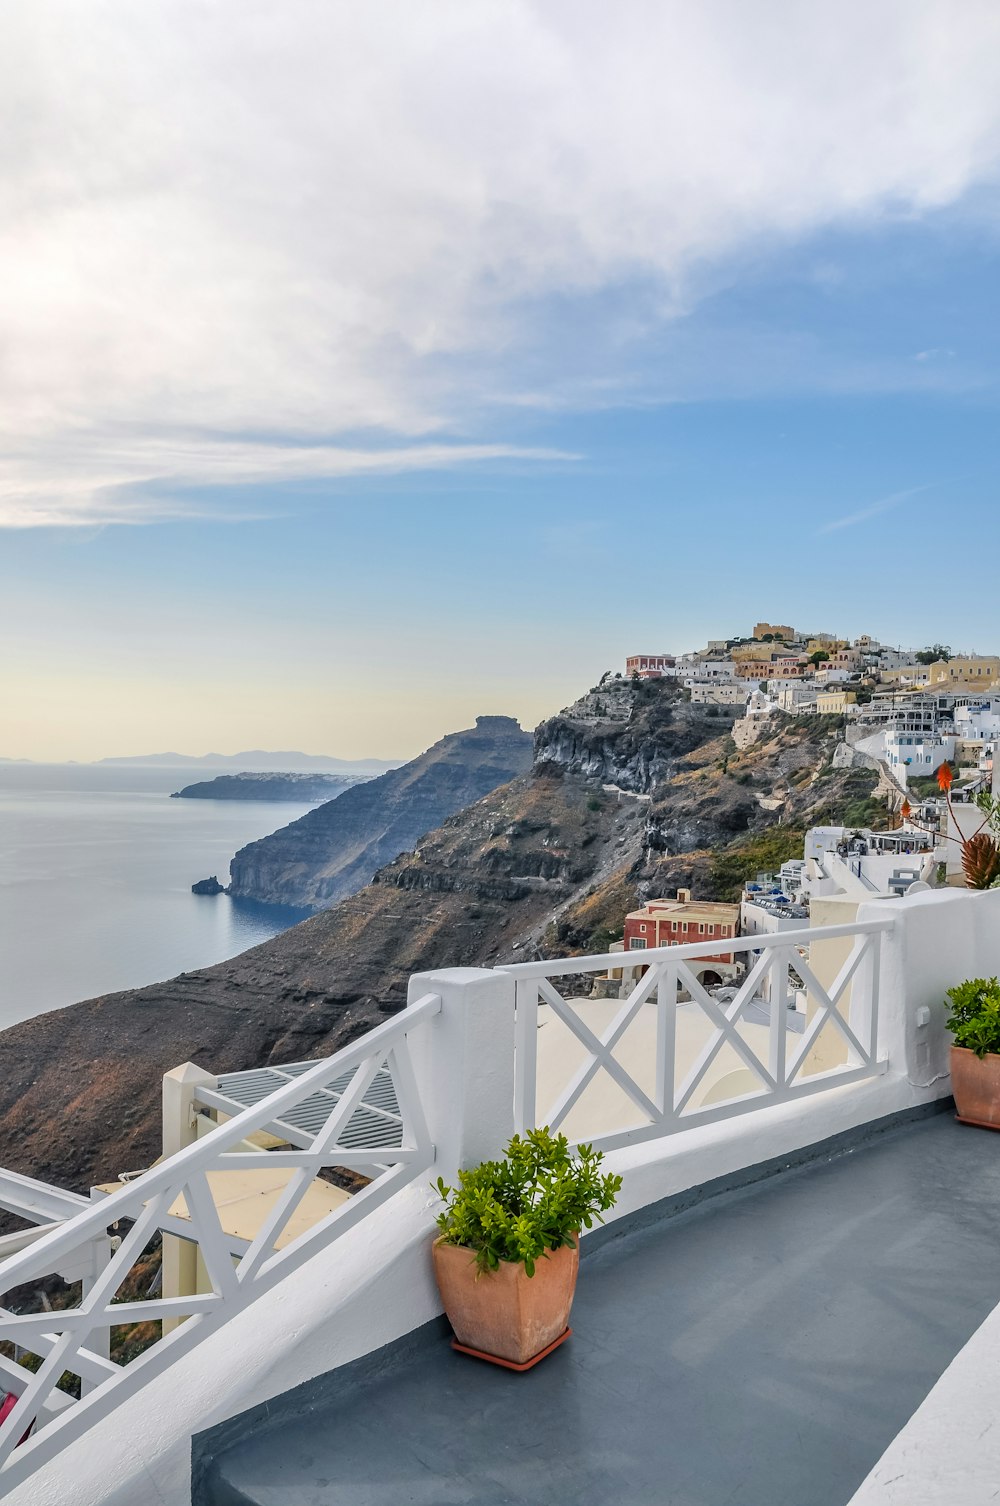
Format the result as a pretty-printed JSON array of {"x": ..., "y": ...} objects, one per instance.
[
  {"x": 506, "y": 1312},
  {"x": 976, "y": 1086}
]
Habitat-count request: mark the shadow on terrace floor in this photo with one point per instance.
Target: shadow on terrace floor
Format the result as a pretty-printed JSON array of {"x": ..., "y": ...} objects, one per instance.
[{"x": 761, "y": 1350}]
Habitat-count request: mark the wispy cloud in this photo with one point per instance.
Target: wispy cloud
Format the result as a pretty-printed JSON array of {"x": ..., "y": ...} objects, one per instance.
[
  {"x": 138, "y": 482},
  {"x": 312, "y": 220},
  {"x": 875, "y": 509}
]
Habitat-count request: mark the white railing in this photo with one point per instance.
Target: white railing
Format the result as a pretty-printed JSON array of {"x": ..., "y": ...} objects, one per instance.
[
  {"x": 662, "y": 1092},
  {"x": 508, "y": 1049},
  {"x": 175, "y": 1198}
]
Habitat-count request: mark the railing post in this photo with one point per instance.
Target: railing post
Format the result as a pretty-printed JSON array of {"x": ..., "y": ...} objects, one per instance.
[
  {"x": 525, "y": 1054},
  {"x": 179, "y": 1260},
  {"x": 863, "y": 1011},
  {"x": 463, "y": 1061},
  {"x": 666, "y": 1038},
  {"x": 100, "y": 1338},
  {"x": 778, "y": 1004}
]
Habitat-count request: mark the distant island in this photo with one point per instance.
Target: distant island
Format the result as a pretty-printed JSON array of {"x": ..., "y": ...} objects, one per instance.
[
  {"x": 259, "y": 761},
  {"x": 283, "y": 786}
]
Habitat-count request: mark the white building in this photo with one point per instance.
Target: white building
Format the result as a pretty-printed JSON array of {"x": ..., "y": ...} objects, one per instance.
[
  {"x": 792, "y": 696},
  {"x": 715, "y": 669},
  {"x": 684, "y": 667},
  {"x": 717, "y": 692},
  {"x": 916, "y": 753},
  {"x": 840, "y": 860},
  {"x": 977, "y": 719}
]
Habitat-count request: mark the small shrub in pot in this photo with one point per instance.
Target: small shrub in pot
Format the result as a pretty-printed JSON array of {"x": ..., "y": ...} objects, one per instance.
[
  {"x": 974, "y": 1022},
  {"x": 507, "y": 1257}
]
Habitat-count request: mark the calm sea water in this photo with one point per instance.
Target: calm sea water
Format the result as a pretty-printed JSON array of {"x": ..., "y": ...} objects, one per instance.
[{"x": 96, "y": 868}]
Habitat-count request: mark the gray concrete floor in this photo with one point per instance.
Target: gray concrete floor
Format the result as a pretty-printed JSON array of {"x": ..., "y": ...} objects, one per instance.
[{"x": 760, "y": 1350}]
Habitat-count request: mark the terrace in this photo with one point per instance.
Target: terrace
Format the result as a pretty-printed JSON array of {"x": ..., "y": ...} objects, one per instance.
[
  {"x": 763, "y": 1347},
  {"x": 803, "y": 1246}
]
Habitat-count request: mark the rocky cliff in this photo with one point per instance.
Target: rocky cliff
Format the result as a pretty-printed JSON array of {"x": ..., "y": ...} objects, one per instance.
[
  {"x": 334, "y": 850},
  {"x": 546, "y": 863}
]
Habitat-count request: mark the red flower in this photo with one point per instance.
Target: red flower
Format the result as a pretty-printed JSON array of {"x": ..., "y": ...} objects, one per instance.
[{"x": 944, "y": 777}]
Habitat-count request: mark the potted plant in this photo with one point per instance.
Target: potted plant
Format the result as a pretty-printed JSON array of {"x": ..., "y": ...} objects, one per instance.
[
  {"x": 974, "y": 1022},
  {"x": 507, "y": 1257},
  {"x": 980, "y": 853}
]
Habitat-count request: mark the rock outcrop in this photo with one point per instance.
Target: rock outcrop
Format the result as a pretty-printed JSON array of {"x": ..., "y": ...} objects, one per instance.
[
  {"x": 208, "y": 886},
  {"x": 300, "y": 787},
  {"x": 334, "y": 850},
  {"x": 633, "y": 753}
]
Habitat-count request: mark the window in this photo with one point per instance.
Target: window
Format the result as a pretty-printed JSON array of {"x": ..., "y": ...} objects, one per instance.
[
  {"x": 701, "y": 930},
  {"x": 684, "y": 926},
  {"x": 643, "y": 930},
  {"x": 637, "y": 944}
]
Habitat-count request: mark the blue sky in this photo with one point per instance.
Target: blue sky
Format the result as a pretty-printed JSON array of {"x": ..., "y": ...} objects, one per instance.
[{"x": 567, "y": 405}]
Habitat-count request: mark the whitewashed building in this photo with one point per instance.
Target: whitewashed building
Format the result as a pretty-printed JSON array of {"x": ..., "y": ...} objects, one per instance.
[{"x": 918, "y": 754}]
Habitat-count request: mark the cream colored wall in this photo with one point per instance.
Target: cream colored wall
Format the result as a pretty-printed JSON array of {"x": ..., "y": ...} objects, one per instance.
[{"x": 826, "y": 958}]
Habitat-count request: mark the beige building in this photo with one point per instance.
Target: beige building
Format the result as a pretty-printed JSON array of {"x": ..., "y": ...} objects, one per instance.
[
  {"x": 977, "y": 672},
  {"x": 757, "y": 651},
  {"x": 834, "y": 702},
  {"x": 775, "y": 630}
]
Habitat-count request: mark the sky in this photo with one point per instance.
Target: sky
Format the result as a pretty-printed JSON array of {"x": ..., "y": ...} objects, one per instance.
[{"x": 367, "y": 368}]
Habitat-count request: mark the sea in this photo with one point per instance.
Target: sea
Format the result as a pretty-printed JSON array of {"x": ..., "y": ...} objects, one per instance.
[{"x": 96, "y": 868}]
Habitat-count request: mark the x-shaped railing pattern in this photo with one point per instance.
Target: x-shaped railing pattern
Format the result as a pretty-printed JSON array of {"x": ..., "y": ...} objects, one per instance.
[
  {"x": 72, "y": 1339},
  {"x": 669, "y": 971}
]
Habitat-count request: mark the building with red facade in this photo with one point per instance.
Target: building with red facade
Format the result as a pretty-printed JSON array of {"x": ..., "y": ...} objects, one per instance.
[
  {"x": 648, "y": 666},
  {"x": 682, "y": 922}
]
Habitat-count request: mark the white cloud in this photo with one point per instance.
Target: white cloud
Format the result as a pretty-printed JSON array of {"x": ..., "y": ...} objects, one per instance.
[
  {"x": 874, "y": 509},
  {"x": 309, "y": 220},
  {"x": 144, "y": 481}
]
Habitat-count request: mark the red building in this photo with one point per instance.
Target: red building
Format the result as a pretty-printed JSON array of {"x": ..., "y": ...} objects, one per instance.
[
  {"x": 648, "y": 666},
  {"x": 681, "y": 922}
]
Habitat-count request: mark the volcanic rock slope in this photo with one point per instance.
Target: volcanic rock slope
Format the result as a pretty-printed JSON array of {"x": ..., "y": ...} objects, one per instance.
[
  {"x": 622, "y": 801},
  {"x": 334, "y": 850}
]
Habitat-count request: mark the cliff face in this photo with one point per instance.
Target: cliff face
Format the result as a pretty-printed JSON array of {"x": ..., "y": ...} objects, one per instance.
[
  {"x": 633, "y": 738},
  {"x": 334, "y": 850},
  {"x": 546, "y": 863}
]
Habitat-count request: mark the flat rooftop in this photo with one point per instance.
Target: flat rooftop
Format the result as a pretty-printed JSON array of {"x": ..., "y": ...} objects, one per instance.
[{"x": 760, "y": 1349}]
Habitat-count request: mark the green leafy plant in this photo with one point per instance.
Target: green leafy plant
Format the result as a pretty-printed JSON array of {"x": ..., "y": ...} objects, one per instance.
[
  {"x": 974, "y": 1020},
  {"x": 536, "y": 1199}
]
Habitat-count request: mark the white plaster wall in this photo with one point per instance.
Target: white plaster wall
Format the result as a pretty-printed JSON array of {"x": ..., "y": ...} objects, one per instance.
[{"x": 375, "y": 1283}]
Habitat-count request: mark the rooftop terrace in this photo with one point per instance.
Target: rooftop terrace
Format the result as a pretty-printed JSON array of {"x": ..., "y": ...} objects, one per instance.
[
  {"x": 796, "y": 1299},
  {"x": 762, "y": 1348}
]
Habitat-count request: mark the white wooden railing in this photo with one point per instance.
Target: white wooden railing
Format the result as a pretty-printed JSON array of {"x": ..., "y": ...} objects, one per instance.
[
  {"x": 74, "y": 1339},
  {"x": 669, "y": 1099},
  {"x": 475, "y": 1076}
]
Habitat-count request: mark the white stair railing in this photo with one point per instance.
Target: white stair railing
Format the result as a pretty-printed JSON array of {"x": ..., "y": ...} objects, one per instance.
[
  {"x": 74, "y": 1339},
  {"x": 663, "y": 1105}
]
